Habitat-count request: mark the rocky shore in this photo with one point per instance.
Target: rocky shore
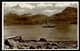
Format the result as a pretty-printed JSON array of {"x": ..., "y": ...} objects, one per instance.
[{"x": 17, "y": 42}]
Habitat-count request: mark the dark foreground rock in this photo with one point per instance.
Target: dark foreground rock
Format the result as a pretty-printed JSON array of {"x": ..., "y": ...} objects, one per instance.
[
  {"x": 42, "y": 40},
  {"x": 6, "y": 42},
  {"x": 41, "y": 44},
  {"x": 31, "y": 47}
]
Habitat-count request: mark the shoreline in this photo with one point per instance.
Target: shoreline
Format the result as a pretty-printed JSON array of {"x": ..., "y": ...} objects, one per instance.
[{"x": 17, "y": 42}]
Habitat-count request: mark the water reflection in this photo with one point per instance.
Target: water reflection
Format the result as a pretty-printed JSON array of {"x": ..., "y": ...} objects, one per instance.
[
  {"x": 63, "y": 28},
  {"x": 64, "y": 32}
]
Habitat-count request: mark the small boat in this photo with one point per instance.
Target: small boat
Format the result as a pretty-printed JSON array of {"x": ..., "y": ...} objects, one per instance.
[{"x": 48, "y": 26}]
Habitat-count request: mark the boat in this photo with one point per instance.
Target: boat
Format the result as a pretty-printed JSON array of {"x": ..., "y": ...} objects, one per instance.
[{"x": 48, "y": 25}]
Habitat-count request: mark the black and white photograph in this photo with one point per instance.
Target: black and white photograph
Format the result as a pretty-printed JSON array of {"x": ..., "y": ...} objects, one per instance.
[{"x": 40, "y": 25}]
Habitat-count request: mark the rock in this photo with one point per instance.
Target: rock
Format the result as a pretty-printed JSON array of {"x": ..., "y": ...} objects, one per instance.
[
  {"x": 48, "y": 47},
  {"x": 29, "y": 40},
  {"x": 47, "y": 44},
  {"x": 25, "y": 45},
  {"x": 31, "y": 47},
  {"x": 53, "y": 44},
  {"x": 42, "y": 40},
  {"x": 6, "y": 47},
  {"x": 18, "y": 38},
  {"x": 26, "y": 41},
  {"x": 55, "y": 47},
  {"x": 34, "y": 40},
  {"x": 20, "y": 47},
  {"x": 21, "y": 41},
  {"x": 64, "y": 46},
  {"x": 6, "y": 42},
  {"x": 39, "y": 47}
]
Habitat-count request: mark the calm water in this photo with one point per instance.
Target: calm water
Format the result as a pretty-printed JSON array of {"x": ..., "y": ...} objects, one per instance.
[{"x": 60, "y": 32}]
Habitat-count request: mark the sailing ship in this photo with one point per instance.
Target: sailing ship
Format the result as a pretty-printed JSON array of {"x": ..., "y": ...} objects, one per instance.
[{"x": 48, "y": 24}]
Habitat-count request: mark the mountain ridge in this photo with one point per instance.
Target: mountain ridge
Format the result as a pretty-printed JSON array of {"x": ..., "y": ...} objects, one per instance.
[{"x": 67, "y": 16}]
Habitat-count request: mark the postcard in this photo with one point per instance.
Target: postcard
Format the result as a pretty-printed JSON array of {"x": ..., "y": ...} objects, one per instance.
[{"x": 40, "y": 25}]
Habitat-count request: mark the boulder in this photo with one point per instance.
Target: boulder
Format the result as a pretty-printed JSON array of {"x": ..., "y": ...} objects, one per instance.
[
  {"x": 6, "y": 42},
  {"x": 42, "y": 40}
]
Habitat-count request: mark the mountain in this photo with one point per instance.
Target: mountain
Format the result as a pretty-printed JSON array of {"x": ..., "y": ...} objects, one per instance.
[
  {"x": 38, "y": 19},
  {"x": 9, "y": 18},
  {"x": 24, "y": 19},
  {"x": 68, "y": 15}
]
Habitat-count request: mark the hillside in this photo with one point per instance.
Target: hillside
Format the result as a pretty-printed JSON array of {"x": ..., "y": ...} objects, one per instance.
[
  {"x": 68, "y": 15},
  {"x": 25, "y": 19}
]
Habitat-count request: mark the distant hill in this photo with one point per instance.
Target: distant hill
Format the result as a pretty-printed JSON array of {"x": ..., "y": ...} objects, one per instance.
[
  {"x": 67, "y": 16},
  {"x": 14, "y": 19},
  {"x": 38, "y": 19}
]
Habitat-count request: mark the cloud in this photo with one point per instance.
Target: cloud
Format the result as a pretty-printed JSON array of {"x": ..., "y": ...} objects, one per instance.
[
  {"x": 50, "y": 11},
  {"x": 10, "y": 4},
  {"x": 18, "y": 11},
  {"x": 62, "y": 5},
  {"x": 18, "y": 8},
  {"x": 24, "y": 5},
  {"x": 36, "y": 8},
  {"x": 14, "y": 10},
  {"x": 47, "y": 11},
  {"x": 65, "y": 4},
  {"x": 44, "y": 5}
]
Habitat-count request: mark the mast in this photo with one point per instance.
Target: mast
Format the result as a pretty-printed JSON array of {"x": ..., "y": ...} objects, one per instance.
[{"x": 48, "y": 22}]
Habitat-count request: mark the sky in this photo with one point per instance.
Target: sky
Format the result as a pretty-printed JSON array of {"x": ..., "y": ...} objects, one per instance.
[{"x": 46, "y": 8}]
